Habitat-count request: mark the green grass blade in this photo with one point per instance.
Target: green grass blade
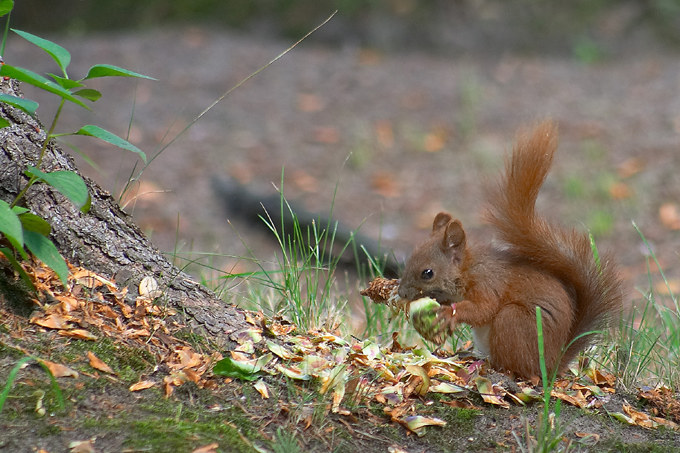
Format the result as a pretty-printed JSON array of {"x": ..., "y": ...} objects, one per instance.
[
  {"x": 55, "y": 386},
  {"x": 11, "y": 378}
]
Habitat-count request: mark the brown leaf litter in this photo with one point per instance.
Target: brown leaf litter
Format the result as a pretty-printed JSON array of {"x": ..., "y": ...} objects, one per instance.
[{"x": 351, "y": 372}]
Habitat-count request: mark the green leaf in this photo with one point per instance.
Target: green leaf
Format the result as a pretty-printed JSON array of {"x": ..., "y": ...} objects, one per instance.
[
  {"x": 18, "y": 210},
  {"x": 60, "y": 55},
  {"x": 103, "y": 134},
  {"x": 69, "y": 183},
  {"x": 6, "y": 7},
  {"x": 26, "y": 105},
  {"x": 4, "y": 123},
  {"x": 107, "y": 70},
  {"x": 10, "y": 226},
  {"x": 11, "y": 377},
  {"x": 65, "y": 82},
  {"x": 238, "y": 370},
  {"x": 89, "y": 94},
  {"x": 32, "y": 222},
  {"x": 45, "y": 250},
  {"x": 246, "y": 371},
  {"x": 32, "y": 78}
]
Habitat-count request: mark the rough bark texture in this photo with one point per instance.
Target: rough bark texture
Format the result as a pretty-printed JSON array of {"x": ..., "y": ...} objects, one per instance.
[{"x": 105, "y": 240}]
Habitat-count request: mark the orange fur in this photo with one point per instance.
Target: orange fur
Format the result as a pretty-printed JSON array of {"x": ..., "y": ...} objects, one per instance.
[{"x": 496, "y": 288}]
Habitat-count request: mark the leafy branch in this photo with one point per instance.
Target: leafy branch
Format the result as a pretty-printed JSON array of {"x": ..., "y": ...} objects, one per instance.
[{"x": 21, "y": 228}]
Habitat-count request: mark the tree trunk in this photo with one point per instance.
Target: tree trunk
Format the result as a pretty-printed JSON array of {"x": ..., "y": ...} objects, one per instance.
[{"x": 105, "y": 240}]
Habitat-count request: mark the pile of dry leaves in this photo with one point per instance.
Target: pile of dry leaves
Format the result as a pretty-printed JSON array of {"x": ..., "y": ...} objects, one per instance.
[{"x": 351, "y": 372}]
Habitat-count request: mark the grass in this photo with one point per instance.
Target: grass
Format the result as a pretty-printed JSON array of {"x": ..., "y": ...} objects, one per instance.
[
  {"x": 181, "y": 422},
  {"x": 12, "y": 377},
  {"x": 301, "y": 286},
  {"x": 648, "y": 342},
  {"x": 643, "y": 350}
]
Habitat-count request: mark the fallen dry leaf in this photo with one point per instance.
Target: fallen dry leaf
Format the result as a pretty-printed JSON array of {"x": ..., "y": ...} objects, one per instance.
[
  {"x": 327, "y": 135},
  {"x": 80, "y": 334},
  {"x": 59, "y": 370},
  {"x": 304, "y": 181},
  {"x": 418, "y": 423},
  {"x": 630, "y": 167},
  {"x": 385, "y": 184},
  {"x": 149, "y": 288},
  {"x": 210, "y": 448},
  {"x": 310, "y": 103},
  {"x": 663, "y": 401},
  {"x": 620, "y": 191},
  {"x": 52, "y": 321},
  {"x": 261, "y": 387},
  {"x": 492, "y": 394},
  {"x": 384, "y": 133},
  {"x": 669, "y": 215},
  {"x": 82, "y": 446},
  {"x": 98, "y": 364},
  {"x": 141, "y": 385},
  {"x": 436, "y": 139}
]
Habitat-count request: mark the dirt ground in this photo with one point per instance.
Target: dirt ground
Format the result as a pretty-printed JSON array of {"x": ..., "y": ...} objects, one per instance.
[{"x": 403, "y": 136}]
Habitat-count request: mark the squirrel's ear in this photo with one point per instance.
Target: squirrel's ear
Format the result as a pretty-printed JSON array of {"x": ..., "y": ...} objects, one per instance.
[
  {"x": 441, "y": 220},
  {"x": 454, "y": 236}
]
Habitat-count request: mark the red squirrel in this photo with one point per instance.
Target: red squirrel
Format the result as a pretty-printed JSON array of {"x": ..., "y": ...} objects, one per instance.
[{"x": 496, "y": 288}]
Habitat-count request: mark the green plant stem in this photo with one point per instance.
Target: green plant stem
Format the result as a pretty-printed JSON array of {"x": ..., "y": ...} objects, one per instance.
[
  {"x": 43, "y": 149},
  {"x": 50, "y": 133},
  {"x": 4, "y": 35},
  {"x": 547, "y": 385}
]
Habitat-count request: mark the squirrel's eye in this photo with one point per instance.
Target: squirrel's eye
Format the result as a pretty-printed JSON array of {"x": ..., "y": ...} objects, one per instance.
[{"x": 427, "y": 274}]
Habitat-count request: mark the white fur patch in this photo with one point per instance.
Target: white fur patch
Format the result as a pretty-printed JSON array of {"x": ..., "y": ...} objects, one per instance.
[{"x": 480, "y": 336}]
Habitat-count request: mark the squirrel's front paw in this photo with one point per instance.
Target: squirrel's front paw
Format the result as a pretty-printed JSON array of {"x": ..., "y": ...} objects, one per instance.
[{"x": 445, "y": 323}]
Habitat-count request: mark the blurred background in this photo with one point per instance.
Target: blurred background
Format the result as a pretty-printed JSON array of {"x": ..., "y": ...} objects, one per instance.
[
  {"x": 450, "y": 27},
  {"x": 392, "y": 111}
]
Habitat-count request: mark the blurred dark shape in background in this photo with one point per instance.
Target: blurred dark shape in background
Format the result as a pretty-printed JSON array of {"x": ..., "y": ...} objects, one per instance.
[{"x": 448, "y": 26}]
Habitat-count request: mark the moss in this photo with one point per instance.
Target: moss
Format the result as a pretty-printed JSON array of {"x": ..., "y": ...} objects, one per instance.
[
  {"x": 170, "y": 434},
  {"x": 127, "y": 362}
]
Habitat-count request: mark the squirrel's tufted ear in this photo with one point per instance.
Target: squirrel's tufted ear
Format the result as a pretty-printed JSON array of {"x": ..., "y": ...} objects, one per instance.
[
  {"x": 441, "y": 220},
  {"x": 454, "y": 236}
]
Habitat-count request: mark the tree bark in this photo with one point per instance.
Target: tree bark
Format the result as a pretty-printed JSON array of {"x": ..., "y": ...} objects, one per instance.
[{"x": 105, "y": 240}]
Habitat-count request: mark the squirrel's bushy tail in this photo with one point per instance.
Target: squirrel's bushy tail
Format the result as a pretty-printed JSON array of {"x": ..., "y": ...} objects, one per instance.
[{"x": 566, "y": 254}]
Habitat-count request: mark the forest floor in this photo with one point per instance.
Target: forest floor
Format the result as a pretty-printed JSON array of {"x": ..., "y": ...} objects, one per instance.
[{"x": 386, "y": 141}]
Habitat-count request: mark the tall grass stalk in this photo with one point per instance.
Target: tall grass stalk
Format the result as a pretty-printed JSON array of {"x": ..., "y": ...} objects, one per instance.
[
  {"x": 11, "y": 378},
  {"x": 648, "y": 344},
  {"x": 549, "y": 434},
  {"x": 305, "y": 273},
  {"x": 132, "y": 178}
]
